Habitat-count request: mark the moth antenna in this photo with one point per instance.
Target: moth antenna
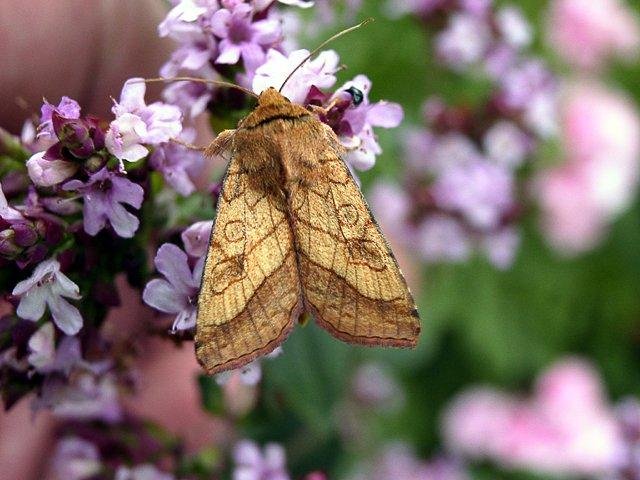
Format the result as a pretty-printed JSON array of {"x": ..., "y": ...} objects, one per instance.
[
  {"x": 322, "y": 45},
  {"x": 220, "y": 83},
  {"x": 189, "y": 146}
]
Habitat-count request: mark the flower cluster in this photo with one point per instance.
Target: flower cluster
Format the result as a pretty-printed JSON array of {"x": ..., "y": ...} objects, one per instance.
[
  {"x": 460, "y": 193},
  {"x": 227, "y": 39},
  {"x": 597, "y": 176},
  {"x": 68, "y": 225},
  {"x": 565, "y": 428}
]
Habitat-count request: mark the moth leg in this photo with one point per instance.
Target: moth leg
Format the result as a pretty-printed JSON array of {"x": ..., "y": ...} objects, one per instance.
[{"x": 220, "y": 144}]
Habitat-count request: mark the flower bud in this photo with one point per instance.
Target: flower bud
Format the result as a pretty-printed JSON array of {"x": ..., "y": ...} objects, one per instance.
[
  {"x": 8, "y": 247},
  {"x": 25, "y": 234}
]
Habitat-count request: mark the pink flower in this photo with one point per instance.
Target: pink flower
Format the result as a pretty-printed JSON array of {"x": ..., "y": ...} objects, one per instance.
[
  {"x": 176, "y": 293},
  {"x": 565, "y": 428},
  {"x": 319, "y": 72},
  {"x": 587, "y": 34},
  {"x": 441, "y": 237},
  {"x": 601, "y": 133},
  {"x": 46, "y": 287},
  {"x": 124, "y": 138}
]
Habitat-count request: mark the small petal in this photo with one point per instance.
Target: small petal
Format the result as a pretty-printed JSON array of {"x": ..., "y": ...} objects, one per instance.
[
  {"x": 66, "y": 316},
  {"x": 162, "y": 295}
]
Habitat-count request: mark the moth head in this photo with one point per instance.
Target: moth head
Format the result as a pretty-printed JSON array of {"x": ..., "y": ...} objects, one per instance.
[{"x": 271, "y": 96}]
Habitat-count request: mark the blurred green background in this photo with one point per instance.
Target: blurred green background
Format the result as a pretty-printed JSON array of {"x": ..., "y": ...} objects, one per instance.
[{"x": 480, "y": 325}]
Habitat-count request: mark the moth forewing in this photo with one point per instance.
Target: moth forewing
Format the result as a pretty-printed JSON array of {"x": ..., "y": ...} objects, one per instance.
[{"x": 293, "y": 233}]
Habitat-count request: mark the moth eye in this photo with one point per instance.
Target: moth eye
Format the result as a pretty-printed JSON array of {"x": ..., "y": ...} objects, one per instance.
[{"x": 356, "y": 95}]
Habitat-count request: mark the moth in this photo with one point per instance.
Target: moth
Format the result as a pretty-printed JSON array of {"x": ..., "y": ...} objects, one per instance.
[{"x": 293, "y": 235}]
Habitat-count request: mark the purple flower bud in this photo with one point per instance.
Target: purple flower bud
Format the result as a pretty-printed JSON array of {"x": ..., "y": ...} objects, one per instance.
[
  {"x": 8, "y": 246},
  {"x": 74, "y": 135},
  {"x": 25, "y": 234}
]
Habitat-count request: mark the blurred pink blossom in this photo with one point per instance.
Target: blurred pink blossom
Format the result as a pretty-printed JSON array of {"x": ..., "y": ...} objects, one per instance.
[
  {"x": 565, "y": 428},
  {"x": 601, "y": 135},
  {"x": 586, "y": 34}
]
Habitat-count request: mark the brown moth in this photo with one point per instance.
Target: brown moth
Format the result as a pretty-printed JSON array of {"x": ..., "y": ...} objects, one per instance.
[{"x": 293, "y": 234}]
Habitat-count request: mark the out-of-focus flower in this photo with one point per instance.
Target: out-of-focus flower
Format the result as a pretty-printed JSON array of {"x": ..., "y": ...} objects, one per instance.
[
  {"x": 513, "y": 27},
  {"x": 566, "y": 428},
  {"x": 191, "y": 97},
  {"x": 250, "y": 374},
  {"x": 86, "y": 397},
  {"x": 253, "y": 464},
  {"x": 464, "y": 42},
  {"x": 177, "y": 292},
  {"x": 178, "y": 164},
  {"x": 373, "y": 386},
  {"x": 46, "y": 287},
  {"x": 42, "y": 346},
  {"x": 142, "y": 472},
  {"x": 104, "y": 195},
  {"x": 506, "y": 144},
  {"x": 587, "y": 34},
  {"x": 196, "y": 238},
  {"x": 75, "y": 459},
  {"x": 478, "y": 190},
  {"x": 319, "y": 72},
  {"x": 45, "y": 358},
  {"x": 137, "y": 123},
  {"x": 601, "y": 136},
  {"x": 398, "y": 461}
]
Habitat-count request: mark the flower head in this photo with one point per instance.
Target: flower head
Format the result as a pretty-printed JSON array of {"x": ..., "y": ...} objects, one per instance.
[
  {"x": 137, "y": 123},
  {"x": 243, "y": 37},
  {"x": 46, "y": 287},
  {"x": 319, "y": 72},
  {"x": 358, "y": 122},
  {"x": 179, "y": 165},
  {"x": 104, "y": 195},
  {"x": 586, "y": 34},
  {"x": 67, "y": 108}
]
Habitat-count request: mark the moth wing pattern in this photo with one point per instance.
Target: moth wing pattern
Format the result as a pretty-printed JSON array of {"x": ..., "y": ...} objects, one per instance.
[
  {"x": 350, "y": 279},
  {"x": 250, "y": 295}
]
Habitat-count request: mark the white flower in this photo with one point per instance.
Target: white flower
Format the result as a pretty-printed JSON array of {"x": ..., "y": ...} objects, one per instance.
[
  {"x": 47, "y": 286},
  {"x": 319, "y": 72},
  {"x": 137, "y": 123},
  {"x": 124, "y": 138},
  {"x": 46, "y": 173}
]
